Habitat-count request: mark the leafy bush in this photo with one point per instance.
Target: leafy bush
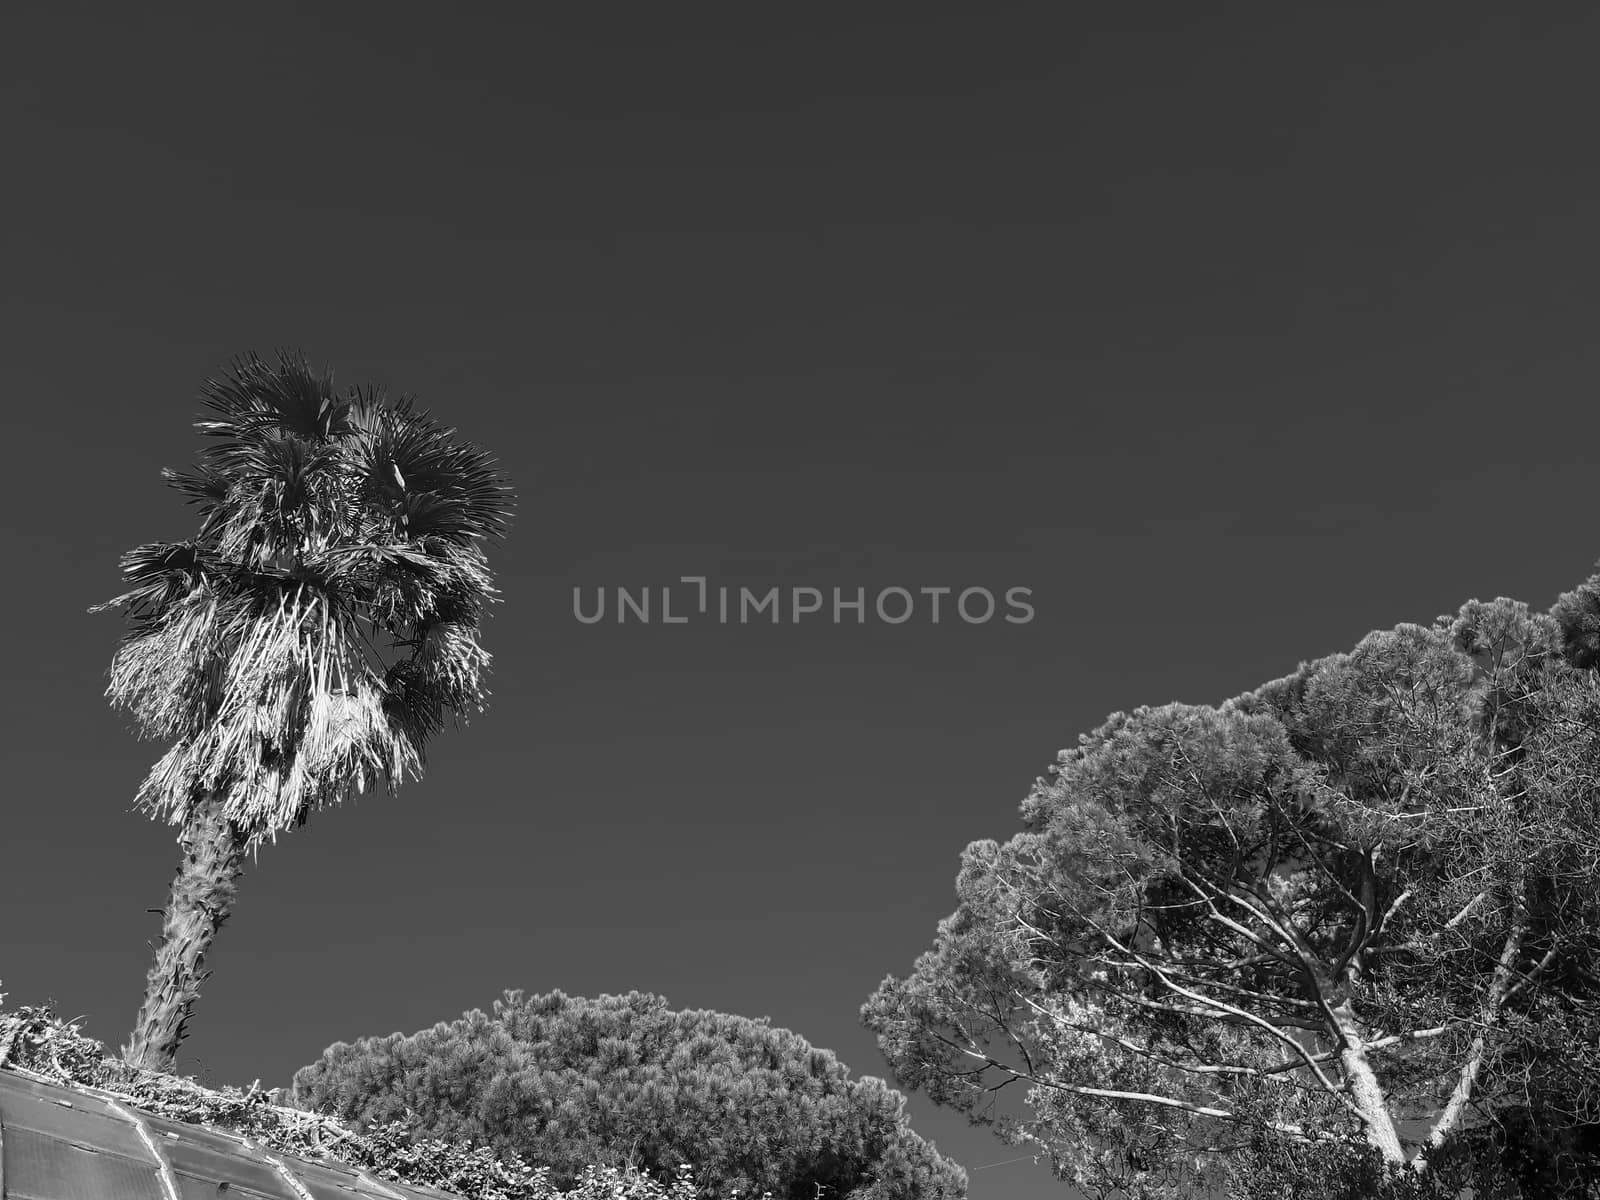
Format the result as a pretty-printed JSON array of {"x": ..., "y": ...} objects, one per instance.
[{"x": 624, "y": 1081}]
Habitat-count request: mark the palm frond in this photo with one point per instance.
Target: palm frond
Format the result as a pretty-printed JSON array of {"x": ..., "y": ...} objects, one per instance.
[
  {"x": 256, "y": 397},
  {"x": 287, "y": 496},
  {"x": 204, "y": 485},
  {"x": 295, "y": 721},
  {"x": 160, "y": 572},
  {"x": 402, "y": 454},
  {"x": 169, "y": 676},
  {"x": 322, "y": 625}
]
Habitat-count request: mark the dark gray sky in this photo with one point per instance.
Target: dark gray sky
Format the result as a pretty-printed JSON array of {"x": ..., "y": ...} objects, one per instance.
[{"x": 1232, "y": 332}]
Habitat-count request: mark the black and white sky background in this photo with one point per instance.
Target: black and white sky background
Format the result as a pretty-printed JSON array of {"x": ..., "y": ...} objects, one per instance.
[{"x": 1231, "y": 331}]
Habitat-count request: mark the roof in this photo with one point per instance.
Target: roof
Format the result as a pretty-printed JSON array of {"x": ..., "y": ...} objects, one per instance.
[{"x": 74, "y": 1143}]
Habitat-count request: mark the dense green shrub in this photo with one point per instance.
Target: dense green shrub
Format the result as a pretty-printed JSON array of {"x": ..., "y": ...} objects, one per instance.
[{"x": 622, "y": 1080}]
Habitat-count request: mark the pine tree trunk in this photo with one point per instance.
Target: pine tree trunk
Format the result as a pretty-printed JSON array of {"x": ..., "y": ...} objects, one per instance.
[
  {"x": 202, "y": 897},
  {"x": 1365, "y": 1090}
]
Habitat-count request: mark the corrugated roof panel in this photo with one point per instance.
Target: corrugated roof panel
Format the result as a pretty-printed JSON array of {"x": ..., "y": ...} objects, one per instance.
[
  {"x": 83, "y": 1119},
  {"x": 14, "y": 1084},
  {"x": 207, "y": 1155},
  {"x": 190, "y": 1188},
  {"x": 420, "y": 1191},
  {"x": 335, "y": 1181},
  {"x": 330, "y": 1181},
  {"x": 38, "y": 1167},
  {"x": 60, "y": 1143}
]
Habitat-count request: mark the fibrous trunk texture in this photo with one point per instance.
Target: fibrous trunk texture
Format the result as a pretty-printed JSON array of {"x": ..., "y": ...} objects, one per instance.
[{"x": 202, "y": 897}]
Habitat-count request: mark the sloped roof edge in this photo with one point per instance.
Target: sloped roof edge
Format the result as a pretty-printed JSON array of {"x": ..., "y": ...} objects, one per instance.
[{"x": 60, "y": 1141}]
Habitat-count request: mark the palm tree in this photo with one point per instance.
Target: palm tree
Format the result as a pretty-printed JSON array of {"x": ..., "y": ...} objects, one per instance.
[{"x": 304, "y": 645}]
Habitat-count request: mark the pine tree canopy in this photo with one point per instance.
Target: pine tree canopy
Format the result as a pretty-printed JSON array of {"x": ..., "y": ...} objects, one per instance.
[
  {"x": 1347, "y": 922},
  {"x": 567, "y": 1081}
]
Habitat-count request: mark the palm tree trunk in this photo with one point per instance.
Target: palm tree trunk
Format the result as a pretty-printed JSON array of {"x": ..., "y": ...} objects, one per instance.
[{"x": 202, "y": 897}]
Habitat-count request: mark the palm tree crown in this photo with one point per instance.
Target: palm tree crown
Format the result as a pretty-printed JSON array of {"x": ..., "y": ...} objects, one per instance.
[{"x": 323, "y": 622}]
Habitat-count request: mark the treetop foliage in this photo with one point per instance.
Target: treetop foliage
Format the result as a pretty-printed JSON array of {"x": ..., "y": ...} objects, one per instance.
[
  {"x": 323, "y": 621},
  {"x": 1353, "y": 913},
  {"x": 567, "y": 1081}
]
